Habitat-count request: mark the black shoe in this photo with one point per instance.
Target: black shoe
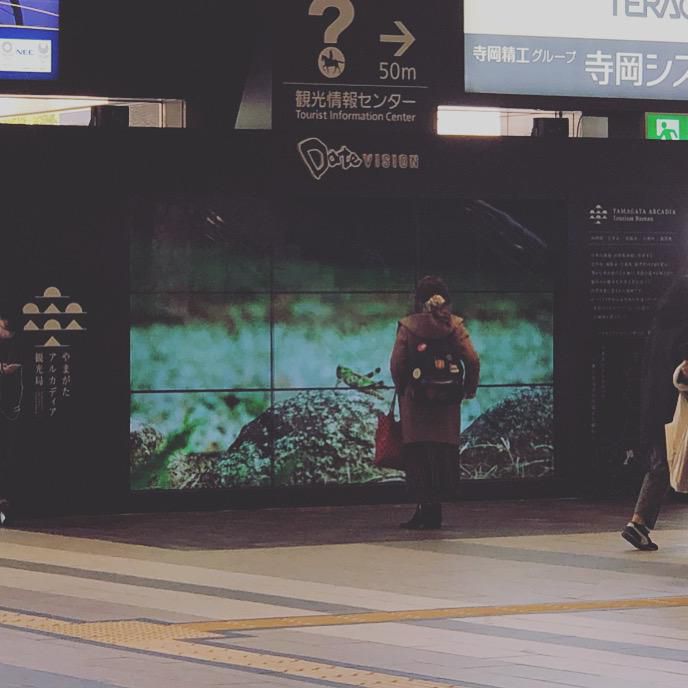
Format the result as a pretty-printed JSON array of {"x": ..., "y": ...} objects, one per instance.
[
  {"x": 639, "y": 536},
  {"x": 416, "y": 521},
  {"x": 432, "y": 517}
]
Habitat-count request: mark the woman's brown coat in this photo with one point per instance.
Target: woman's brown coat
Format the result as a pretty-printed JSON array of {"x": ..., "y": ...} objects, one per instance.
[{"x": 424, "y": 422}]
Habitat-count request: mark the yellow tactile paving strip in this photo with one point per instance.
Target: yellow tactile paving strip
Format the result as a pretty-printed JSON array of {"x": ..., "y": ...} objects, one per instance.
[
  {"x": 176, "y": 640},
  {"x": 172, "y": 641},
  {"x": 430, "y": 614}
]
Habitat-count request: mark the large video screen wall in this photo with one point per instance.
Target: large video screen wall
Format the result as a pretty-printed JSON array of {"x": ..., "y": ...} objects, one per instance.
[{"x": 261, "y": 331}]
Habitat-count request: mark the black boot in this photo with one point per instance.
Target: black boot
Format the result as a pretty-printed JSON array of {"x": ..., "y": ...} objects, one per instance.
[
  {"x": 416, "y": 521},
  {"x": 432, "y": 516}
]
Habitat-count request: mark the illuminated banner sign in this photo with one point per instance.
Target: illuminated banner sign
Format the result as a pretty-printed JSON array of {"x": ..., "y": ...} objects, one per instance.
[
  {"x": 581, "y": 48},
  {"x": 29, "y": 36}
]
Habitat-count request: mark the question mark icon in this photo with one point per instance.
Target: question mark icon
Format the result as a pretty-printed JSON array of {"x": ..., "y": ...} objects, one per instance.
[{"x": 331, "y": 60}]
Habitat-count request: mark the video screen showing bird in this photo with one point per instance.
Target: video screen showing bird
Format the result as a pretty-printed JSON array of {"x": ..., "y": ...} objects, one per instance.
[{"x": 262, "y": 330}]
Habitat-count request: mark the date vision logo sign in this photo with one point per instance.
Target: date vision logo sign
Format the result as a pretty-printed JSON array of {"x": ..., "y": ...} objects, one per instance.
[
  {"x": 319, "y": 159},
  {"x": 662, "y": 9}
]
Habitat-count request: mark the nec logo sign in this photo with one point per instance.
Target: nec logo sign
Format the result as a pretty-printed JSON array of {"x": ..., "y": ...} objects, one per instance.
[{"x": 662, "y": 9}]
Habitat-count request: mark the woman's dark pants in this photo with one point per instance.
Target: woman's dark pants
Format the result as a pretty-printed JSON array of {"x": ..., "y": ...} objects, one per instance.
[
  {"x": 655, "y": 485},
  {"x": 432, "y": 471}
]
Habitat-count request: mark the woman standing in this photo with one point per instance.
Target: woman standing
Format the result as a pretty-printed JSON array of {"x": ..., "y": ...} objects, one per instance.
[
  {"x": 430, "y": 431},
  {"x": 667, "y": 347}
]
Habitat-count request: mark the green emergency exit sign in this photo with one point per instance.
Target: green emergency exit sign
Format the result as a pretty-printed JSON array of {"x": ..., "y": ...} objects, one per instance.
[{"x": 666, "y": 127}]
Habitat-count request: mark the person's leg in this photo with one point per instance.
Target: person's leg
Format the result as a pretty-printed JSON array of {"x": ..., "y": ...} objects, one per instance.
[
  {"x": 650, "y": 498},
  {"x": 432, "y": 504},
  {"x": 442, "y": 461},
  {"x": 414, "y": 483},
  {"x": 654, "y": 488},
  {"x": 419, "y": 482}
]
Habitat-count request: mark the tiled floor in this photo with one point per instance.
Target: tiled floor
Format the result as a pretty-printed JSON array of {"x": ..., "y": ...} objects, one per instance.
[{"x": 509, "y": 595}]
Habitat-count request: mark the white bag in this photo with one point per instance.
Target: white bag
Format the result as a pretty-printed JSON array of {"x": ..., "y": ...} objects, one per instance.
[{"x": 677, "y": 439}]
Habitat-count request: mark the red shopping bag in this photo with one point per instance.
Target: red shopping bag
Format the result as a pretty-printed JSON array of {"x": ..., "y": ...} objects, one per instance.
[{"x": 388, "y": 442}]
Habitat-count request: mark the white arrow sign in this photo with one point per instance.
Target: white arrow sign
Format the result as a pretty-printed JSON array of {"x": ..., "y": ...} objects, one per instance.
[{"x": 406, "y": 38}]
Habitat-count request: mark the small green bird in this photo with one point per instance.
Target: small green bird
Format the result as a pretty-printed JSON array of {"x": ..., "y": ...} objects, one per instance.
[{"x": 362, "y": 383}]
